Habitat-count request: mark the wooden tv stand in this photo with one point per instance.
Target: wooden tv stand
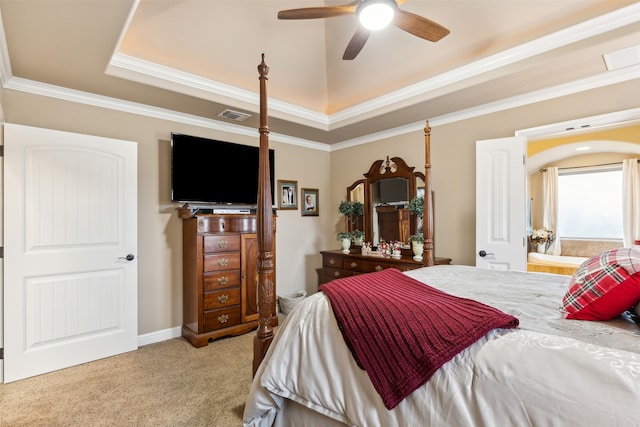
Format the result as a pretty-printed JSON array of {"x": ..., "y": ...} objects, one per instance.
[{"x": 219, "y": 275}]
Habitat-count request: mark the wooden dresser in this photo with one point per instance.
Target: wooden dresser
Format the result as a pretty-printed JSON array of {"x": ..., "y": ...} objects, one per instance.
[
  {"x": 219, "y": 276},
  {"x": 336, "y": 264}
]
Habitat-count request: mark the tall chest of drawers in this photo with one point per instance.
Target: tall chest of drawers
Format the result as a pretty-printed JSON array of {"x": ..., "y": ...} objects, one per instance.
[{"x": 219, "y": 276}]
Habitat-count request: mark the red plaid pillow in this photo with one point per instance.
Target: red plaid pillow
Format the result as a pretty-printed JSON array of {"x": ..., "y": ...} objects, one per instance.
[{"x": 604, "y": 286}]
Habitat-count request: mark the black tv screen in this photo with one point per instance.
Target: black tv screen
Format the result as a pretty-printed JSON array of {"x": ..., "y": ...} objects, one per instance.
[
  {"x": 215, "y": 172},
  {"x": 393, "y": 190}
]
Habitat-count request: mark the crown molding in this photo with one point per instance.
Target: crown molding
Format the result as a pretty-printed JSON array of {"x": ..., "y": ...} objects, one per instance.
[
  {"x": 86, "y": 98},
  {"x": 123, "y": 63},
  {"x": 149, "y": 73},
  {"x": 605, "y": 79}
]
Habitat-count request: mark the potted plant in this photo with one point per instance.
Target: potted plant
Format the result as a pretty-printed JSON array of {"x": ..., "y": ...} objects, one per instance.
[
  {"x": 344, "y": 237},
  {"x": 358, "y": 237},
  {"x": 541, "y": 237},
  {"x": 350, "y": 210},
  {"x": 417, "y": 244},
  {"x": 416, "y": 206}
]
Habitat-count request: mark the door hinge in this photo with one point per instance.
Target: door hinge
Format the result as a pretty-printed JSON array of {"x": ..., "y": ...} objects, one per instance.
[
  {"x": 1, "y": 150},
  {"x": 1, "y": 251},
  {"x": 1, "y": 353}
]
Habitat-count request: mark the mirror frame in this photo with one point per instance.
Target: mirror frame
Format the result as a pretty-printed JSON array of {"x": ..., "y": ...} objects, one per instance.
[{"x": 394, "y": 167}]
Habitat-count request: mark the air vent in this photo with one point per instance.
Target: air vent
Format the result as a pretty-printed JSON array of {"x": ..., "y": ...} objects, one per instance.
[{"x": 234, "y": 115}]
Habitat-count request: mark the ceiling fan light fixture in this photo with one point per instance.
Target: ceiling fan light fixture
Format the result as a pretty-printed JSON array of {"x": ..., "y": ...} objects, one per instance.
[{"x": 376, "y": 14}]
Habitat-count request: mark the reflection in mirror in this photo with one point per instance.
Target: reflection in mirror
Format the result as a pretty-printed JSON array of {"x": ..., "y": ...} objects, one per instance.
[
  {"x": 386, "y": 192},
  {"x": 419, "y": 193},
  {"x": 356, "y": 193},
  {"x": 390, "y": 198}
]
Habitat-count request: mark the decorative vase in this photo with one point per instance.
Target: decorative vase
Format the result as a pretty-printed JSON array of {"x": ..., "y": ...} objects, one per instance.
[
  {"x": 418, "y": 250},
  {"x": 542, "y": 248},
  {"x": 346, "y": 244},
  {"x": 357, "y": 241}
]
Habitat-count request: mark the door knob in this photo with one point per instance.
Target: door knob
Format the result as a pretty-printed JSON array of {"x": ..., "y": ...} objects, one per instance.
[
  {"x": 483, "y": 253},
  {"x": 129, "y": 257}
]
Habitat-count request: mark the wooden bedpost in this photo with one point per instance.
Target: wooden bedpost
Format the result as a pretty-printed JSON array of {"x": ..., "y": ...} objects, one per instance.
[
  {"x": 427, "y": 217},
  {"x": 265, "y": 268}
]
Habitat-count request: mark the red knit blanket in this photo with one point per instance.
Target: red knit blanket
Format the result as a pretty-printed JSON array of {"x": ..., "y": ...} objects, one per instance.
[{"x": 401, "y": 331}]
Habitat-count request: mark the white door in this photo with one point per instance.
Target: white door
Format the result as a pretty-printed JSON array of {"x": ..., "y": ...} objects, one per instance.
[
  {"x": 501, "y": 204},
  {"x": 70, "y": 229}
]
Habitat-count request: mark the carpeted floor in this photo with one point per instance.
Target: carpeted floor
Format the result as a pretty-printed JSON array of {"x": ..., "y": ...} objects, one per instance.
[{"x": 170, "y": 383}]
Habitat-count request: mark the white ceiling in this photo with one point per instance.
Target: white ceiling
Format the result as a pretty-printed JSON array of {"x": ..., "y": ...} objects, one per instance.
[{"x": 196, "y": 58}]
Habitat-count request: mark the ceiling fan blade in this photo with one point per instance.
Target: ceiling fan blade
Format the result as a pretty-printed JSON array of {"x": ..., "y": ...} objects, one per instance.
[
  {"x": 357, "y": 43},
  {"x": 319, "y": 12},
  {"x": 419, "y": 26}
]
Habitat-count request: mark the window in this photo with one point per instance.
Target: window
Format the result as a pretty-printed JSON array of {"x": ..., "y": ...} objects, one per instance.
[{"x": 590, "y": 203}]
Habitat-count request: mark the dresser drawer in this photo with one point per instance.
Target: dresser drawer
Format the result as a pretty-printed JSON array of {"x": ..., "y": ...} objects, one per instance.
[
  {"x": 221, "y": 279},
  {"x": 222, "y": 261},
  {"x": 335, "y": 273},
  {"x": 221, "y": 318},
  {"x": 357, "y": 265},
  {"x": 332, "y": 261},
  {"x": 222, "y": 243},
  {"x": 220, "y": 299}
]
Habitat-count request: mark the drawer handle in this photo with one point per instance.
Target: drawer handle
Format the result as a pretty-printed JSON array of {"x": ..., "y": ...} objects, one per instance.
[
  {"x": 223, "y": 280},
  {"x": 223, "y": 244},
  {"x": 378, "y": 268},
  {"x": 223, "y": 298},
  {"x": 336, "y": 273},
  {"x": 223, "y": 262},
  {"x": 332, "y": 261},
  {"x": 354, "y": 264},
  {"x": 223, "y": 318}
]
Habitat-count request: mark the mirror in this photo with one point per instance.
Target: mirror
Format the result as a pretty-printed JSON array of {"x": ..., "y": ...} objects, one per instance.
[{"x": 386, "y": 191}]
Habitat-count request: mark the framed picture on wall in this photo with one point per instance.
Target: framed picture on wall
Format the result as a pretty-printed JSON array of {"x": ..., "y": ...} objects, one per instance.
[
  {"x": 310, "y": 200},
  {"x": 287, "y": 195}
]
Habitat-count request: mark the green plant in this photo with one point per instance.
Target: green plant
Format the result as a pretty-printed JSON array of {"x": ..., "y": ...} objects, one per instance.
[
  {"x": 416, "y": 206},
  {"x": 357, "y": 234},
  {"x": 418, "y": 237},
  {"x": 344, "y": 235},
  {"x": 351, "y": 210}
]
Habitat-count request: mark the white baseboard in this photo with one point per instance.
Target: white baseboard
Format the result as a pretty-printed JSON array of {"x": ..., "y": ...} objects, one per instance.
[{"x": 158, "y": 336}]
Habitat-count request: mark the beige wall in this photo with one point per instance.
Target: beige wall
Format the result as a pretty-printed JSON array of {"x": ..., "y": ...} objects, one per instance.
[
  {"x": 298, "y": 240},
  {"x": 453, "y": 159}
]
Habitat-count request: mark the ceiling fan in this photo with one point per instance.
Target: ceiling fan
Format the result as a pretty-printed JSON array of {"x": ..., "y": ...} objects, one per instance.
[{"x": 373, "y": 15}]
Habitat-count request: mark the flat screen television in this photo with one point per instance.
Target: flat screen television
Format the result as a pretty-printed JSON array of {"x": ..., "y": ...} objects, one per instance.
[
  {"x": 211, "y": 172},
  {"x": 394, "y": 190}
]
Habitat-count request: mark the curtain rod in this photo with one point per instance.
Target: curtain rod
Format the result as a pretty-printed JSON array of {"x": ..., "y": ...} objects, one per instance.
[{"x": 589, "y": 166}]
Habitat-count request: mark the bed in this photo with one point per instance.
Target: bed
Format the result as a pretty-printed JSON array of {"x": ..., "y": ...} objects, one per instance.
[
  {"x": 542, "y": 369},
  {"x": 548, "y": 371}
]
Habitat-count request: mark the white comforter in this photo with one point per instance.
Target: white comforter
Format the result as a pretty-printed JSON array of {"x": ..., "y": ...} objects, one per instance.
[{"x": 548, "y": 372}]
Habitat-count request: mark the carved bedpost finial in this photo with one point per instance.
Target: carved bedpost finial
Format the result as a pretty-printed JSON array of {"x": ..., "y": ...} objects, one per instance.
[{"x": 263, "y": 69}]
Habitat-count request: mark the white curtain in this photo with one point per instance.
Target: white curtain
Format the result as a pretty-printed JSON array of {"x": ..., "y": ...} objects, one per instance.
[
  {"x": 550, "y": 203},
  {"x": 630, "y": 201}
]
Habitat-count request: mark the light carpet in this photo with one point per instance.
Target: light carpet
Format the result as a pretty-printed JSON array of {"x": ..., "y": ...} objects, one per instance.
[{"x": 170, "y": 383}]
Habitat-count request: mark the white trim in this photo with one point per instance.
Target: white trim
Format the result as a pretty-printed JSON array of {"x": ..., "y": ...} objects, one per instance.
[
  {"x": 605, "y": 79},
  {"x": 157, "y": 75},
  {"x": 608, "y": 22},
  {"x": 159, "y": 336},
  {"x": 535, "y": 162}
]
